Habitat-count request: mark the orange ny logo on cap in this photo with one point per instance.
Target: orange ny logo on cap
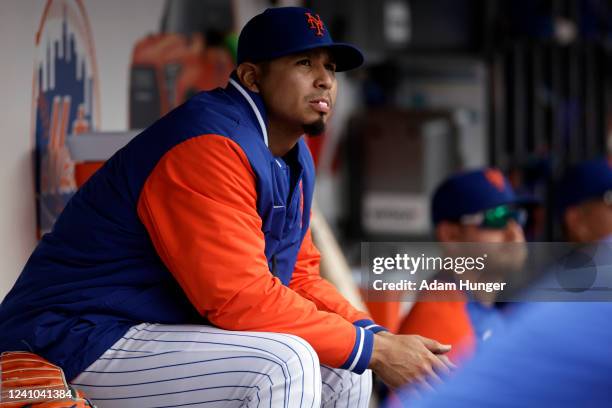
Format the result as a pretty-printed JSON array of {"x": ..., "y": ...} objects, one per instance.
[
  {"x": 315, "y": 23},
  {"x": 496, "y": 178}
]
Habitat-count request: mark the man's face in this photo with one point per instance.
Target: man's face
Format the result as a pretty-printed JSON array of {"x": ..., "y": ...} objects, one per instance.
[
  {"x": 504, "y": 262},
  {"x": 513, "y": 232},
  {"x": 299, "y": 90},
  {"x": 589, "y": 222},
  {"x": 456, "y": 232}
]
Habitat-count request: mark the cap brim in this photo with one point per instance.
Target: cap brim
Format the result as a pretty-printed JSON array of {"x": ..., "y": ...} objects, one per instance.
[
  {"x": 522, "y": 200},
  {"x": 345, "y": 56},
  {"x": 526, "y": 200}
]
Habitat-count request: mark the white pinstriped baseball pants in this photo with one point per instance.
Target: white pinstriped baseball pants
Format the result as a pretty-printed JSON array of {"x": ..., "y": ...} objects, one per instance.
[{"x": 155, "y": 365}]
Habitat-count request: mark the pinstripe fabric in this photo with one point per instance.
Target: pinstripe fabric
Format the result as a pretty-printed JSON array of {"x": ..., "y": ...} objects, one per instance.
[
  {"x": 156, "y": 365},
  {"x": 344, "y": 389}
]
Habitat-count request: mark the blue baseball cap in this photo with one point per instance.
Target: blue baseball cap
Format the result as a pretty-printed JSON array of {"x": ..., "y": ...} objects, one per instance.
[
  {"x": 472, "y": 192},
  {"x": 288, "y": 30},
  {"x": 588, "y": 180}
]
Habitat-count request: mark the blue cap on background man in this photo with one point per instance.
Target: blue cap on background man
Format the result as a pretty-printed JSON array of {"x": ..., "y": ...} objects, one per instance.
[
  {"x": 588, "y": 180},
  {"x": 282, "y": 31},
  {"x": 472, "y": 192}
]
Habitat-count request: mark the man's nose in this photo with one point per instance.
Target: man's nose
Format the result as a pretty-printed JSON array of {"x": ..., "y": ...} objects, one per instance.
[
  {"x": 514, "y": 232},
  {"x": 324, "y": 78}
]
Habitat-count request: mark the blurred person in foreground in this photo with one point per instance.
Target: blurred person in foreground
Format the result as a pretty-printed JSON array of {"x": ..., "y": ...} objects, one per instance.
[{"x": 555, "y": 354}]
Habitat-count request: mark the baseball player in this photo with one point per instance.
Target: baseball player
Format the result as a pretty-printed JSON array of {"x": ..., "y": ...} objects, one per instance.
[
  {"x": 183, "y": 273},
  {"x": 555, "y": 353},
  {"x": 585, "y": 199},
  {"x": 585, "y": 207},
  {"x": 477, "y": 206}
]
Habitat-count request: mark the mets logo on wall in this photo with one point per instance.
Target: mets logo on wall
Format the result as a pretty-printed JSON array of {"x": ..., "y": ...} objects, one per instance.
[{"x": 65, "y": 101}]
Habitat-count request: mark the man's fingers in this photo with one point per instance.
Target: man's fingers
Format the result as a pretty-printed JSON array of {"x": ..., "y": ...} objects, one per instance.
[
  {"x": 434, "y": 346},
  {"x": 440, "y": 366},
  {"x": 413, "y": 393},
  {"x": 447, "y": 361},
  {"x": 423, "y": 385},
  {"x": 432, "y": 377}
]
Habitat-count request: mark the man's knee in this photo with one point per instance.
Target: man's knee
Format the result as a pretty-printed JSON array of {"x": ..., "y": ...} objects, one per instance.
[
  {"x": 299, "y": 374},
  {"x": 302, "y": 356},
  {"x": 346, "y": 388}
]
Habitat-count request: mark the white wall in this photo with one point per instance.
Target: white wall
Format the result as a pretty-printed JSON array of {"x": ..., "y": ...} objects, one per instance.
[
  {"x": 116, "y": 25},
  {"x": 18, "y": 22}
]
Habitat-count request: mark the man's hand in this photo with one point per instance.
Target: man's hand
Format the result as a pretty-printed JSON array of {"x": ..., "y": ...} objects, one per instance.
[{"x": 408, "y": 359}]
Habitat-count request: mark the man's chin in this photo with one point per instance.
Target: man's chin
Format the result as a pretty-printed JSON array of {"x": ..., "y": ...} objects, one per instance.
[{"x": 315, "y": 128}]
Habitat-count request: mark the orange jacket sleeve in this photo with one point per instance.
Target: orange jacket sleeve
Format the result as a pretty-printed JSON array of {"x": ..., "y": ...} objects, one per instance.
[
  {"x": 446, "y": 322},
  {"x": 199, "y": 208},
  {"x": 308, "y": 282}
]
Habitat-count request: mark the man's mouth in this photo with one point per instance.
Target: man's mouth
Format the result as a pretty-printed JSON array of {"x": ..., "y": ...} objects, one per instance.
[{"x": 320, "y": 105}]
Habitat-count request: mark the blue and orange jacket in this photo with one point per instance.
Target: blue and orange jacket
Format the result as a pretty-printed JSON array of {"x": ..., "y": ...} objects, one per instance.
[{"x": 192, "y": 222}]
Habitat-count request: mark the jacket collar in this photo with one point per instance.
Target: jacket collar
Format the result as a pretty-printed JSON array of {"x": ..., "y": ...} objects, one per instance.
[{"x": 255, "y": 104}]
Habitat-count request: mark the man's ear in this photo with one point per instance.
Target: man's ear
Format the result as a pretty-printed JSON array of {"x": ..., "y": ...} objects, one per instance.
[
  {"x": 573, "y": 223},
  {"x": 447, "y": 232},
  {"x": 248, "y": 74}
]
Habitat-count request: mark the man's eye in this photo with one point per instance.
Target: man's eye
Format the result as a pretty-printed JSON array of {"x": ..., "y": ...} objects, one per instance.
[
  {"x": 305, "y": 62},
  {"x": 330, "y": 67}
]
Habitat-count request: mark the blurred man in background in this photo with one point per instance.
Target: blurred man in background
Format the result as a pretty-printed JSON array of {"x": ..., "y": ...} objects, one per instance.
[
  {"x": 585, "y": 197},
  {"x": 529, "y": 366},
  {"x": 585, "y": 201},
  {"x": 477, "y": 206}
]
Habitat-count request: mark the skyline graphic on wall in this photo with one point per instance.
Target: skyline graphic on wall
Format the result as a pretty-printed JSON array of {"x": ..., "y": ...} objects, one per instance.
[{"x": 65, "y": 97}]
